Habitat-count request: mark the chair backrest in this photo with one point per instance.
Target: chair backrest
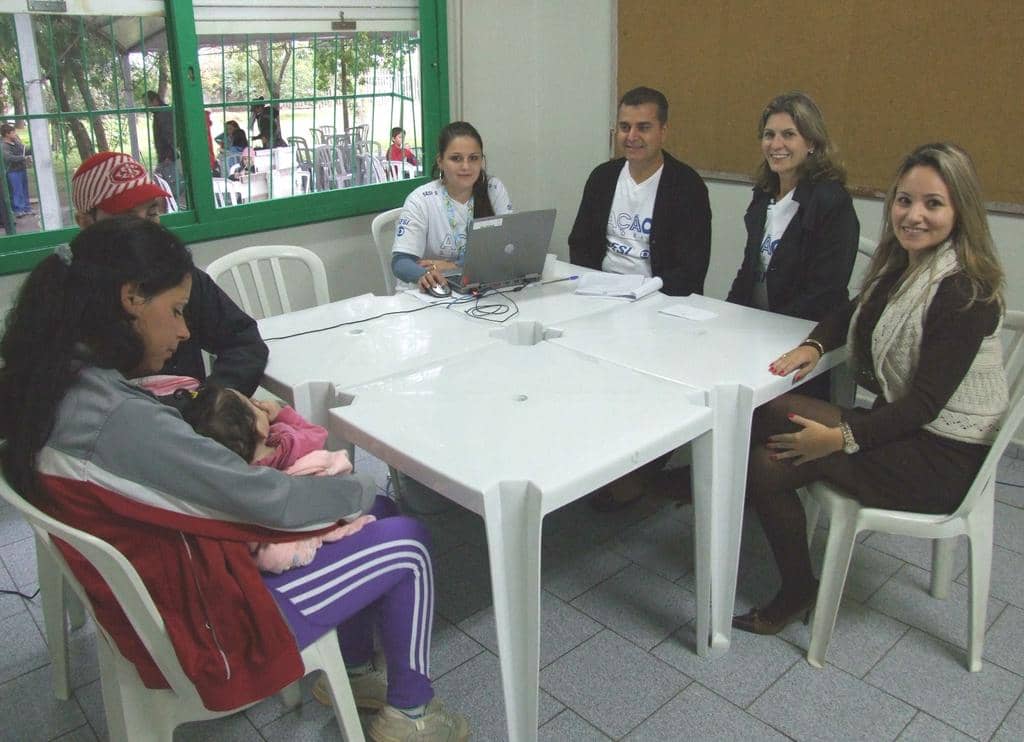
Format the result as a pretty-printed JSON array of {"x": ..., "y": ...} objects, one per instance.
[
  {"x": 865, "y": 251},
  {"x": 120, "y": 576},
  {"x": 867, "y": 247},
  {"x": 393, "y": 168},
  {"x": 377, "y": 173},
  {"x": 302, "y": 153},
  {"x": 273, "y": 254},
  {"x": 1013, "y": 362},
  {"x": 226, "y": 192},
  {"x": 383, "y": 229}
]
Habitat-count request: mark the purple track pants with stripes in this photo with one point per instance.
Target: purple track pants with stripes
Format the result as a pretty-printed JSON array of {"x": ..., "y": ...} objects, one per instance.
[{"x": 380, "y": 575}]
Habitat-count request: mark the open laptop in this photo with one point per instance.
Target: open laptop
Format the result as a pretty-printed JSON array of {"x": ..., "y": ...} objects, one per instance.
[{"x": 503, "y": 251}]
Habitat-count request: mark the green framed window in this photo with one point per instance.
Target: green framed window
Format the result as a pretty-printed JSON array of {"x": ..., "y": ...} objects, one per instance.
[{"x": 256, "y": 117}]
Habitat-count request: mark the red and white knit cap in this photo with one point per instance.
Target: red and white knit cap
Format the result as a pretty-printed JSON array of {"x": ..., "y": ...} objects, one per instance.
[{"x": 113, "y": 182}]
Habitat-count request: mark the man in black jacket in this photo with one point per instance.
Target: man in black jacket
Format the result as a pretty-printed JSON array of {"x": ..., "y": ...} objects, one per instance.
[
  {"x": 645, "y": 213},
  {"x": 111, "y": 183}
]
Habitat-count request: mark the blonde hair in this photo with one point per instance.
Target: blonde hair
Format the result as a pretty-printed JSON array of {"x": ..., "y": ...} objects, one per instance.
[
  {"x": 970, "y": 238},
  {"x": 823, "y": 163}
]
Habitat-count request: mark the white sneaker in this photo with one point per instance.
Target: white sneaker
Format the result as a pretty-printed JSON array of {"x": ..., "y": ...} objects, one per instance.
[{"x": 436, "y": 725}]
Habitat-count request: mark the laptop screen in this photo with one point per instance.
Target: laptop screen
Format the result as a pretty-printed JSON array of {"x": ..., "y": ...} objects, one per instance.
[{"x": 506, "y": 250}]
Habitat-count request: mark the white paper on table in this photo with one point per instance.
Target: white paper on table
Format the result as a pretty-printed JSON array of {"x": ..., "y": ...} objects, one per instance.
[
  {"x": 617, "y": 286},
  {"x": 687, "y": 312}
]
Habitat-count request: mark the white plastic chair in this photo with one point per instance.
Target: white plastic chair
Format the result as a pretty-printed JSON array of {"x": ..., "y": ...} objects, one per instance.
[
  {"x": 60, "y": 607},
  {"x": 847, "y": 518},
  {"x": 844, "y": 389},
  {"x": 133, "y": 711},
  {"x": 274, "y": 254},
  {"x": 867, "y": 246},
  {"x": 383, "y": 229},
  {"x": 227, "y": 193},
  {"x": 394, "y": 169}
]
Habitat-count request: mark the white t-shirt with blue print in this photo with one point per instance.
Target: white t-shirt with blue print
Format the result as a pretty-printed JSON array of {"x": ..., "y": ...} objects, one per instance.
[
  {"x": 628, "y": 239},
  {"x": 425, "y": 229},
  {"x": 780, "y": 214}
]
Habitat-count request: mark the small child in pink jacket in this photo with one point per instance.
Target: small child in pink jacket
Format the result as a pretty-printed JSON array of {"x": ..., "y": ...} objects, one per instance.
[{"x": 266, "y": 434}]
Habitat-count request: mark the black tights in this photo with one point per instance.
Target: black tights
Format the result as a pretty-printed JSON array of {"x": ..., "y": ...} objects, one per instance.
[{"x": 771, "y": 492}]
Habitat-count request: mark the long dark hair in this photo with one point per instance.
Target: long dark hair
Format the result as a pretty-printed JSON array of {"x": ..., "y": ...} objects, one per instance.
[
  {"x": 69, "y": 313},
  {"x": 481, "y": 200}
]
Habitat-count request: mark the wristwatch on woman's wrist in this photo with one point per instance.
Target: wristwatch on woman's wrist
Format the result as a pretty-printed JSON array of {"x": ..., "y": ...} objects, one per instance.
[{"x": 850, "y": 444}]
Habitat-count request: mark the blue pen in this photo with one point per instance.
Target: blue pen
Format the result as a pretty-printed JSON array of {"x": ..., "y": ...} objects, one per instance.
[{"x": 559, "y": 280}]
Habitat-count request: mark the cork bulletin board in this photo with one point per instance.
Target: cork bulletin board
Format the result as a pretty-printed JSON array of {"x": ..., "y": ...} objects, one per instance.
[{"x": 888, "y": 77}]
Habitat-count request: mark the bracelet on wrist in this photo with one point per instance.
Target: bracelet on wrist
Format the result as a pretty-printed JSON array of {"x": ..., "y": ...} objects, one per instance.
[
  {"x": 810, "y": 343},
  {"x": 850, "y": 444}
]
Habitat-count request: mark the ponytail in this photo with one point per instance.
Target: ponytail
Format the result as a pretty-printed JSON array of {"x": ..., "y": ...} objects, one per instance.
[{"x": 68, "y": 314}]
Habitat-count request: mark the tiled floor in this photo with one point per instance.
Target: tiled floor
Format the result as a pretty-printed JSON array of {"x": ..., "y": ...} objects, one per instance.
[{"x": 617, "y": 653}]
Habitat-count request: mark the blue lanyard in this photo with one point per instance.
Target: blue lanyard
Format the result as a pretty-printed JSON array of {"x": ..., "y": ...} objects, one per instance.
[{"x": 457, "y": 236}]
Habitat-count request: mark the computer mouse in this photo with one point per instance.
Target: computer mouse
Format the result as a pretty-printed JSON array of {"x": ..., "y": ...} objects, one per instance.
[{"x": 440, "y": 291}]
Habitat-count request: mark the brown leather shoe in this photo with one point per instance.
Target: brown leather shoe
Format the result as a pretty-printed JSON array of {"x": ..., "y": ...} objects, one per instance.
[{"x": 756, "y": 623}]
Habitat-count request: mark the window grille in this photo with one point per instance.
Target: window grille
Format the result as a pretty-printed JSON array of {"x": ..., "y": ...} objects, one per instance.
[{"x": 327, "y": 84}]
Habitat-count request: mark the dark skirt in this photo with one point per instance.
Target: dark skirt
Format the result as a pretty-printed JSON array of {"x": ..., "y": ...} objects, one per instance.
[{"x": 922, "y": 472}]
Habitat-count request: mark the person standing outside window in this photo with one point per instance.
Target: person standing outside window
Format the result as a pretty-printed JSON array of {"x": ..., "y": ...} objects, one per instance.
[
  {"x": 16, "y": 161},
  {"x": 163, "y": 139}
]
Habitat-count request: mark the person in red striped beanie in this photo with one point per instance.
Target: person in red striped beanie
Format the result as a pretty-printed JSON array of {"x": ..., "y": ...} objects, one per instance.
[{"x": 111, "y": 184}]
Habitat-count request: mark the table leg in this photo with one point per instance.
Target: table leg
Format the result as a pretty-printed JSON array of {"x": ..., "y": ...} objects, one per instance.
[
  {"x": 512, "y": 518},
  {"x": 702, "y": 472},
  {"x": 733, "y": 406},
  {"x": 313, "y": 400}
]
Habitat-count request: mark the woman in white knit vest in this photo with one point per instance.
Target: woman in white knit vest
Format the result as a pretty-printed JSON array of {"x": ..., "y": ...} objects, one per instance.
[{"x": 923, "y": 335}]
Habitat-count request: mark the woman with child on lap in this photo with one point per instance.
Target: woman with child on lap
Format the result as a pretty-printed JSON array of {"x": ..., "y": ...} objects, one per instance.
[
  {"x": 924, "y": 336},
  {"x": 430, "y": 236},
  {"x": 95, "y": 450}
]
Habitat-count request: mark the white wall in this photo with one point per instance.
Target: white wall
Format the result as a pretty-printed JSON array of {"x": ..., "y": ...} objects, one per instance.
[
  {"x": 537, "y": 79},
  {"x": 345, "y": 246}
]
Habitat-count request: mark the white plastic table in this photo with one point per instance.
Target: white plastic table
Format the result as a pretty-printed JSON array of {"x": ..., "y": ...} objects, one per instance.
[
  {"x": 558, "y": 426},
  {"x": 546, "y": 301},
  {"x": 727, "y": 356},
  {"x": 307, "y": 370},
  {"x": 570, "y": 367}
]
